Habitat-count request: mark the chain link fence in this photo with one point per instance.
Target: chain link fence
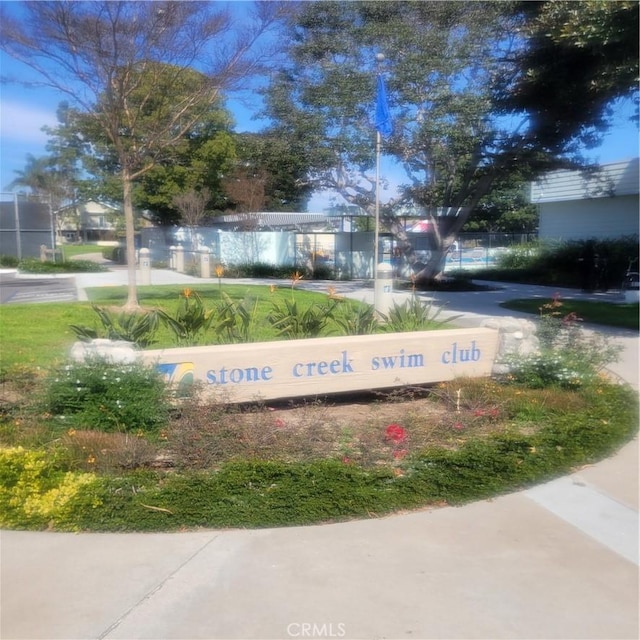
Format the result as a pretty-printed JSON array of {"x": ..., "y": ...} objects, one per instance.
[{"x": 26, "y": 224}]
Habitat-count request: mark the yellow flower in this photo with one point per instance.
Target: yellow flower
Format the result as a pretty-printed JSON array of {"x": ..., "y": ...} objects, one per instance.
[
  {"x": 219, "y": 270},
  {"x": 296, "y": 277},
  {"x": 333, "y": 294},
  {"x": 91, "y": 459},
  {"x": 186, "y": 293},
  {"x": 71, "y": 432},
  {"x": 273, "y": 288}
]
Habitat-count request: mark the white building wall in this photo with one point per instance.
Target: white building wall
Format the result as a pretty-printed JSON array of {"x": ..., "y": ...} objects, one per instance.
[
  {"x": 615, "y": 179},
  {"x": 584, "y": 219}
]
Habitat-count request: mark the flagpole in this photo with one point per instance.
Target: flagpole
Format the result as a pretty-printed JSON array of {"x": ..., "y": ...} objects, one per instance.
[{"x": 376, "y": 234}]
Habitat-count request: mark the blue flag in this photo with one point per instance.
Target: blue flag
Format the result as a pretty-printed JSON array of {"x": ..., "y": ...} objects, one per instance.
[{"x": 383, "y": 117}]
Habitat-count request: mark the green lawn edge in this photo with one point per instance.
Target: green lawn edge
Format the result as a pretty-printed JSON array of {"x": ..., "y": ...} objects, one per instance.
[{"x": 619, "y": 315}]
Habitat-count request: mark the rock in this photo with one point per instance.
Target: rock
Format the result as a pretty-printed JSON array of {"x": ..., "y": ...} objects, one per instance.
[
  {"x": 116, "y": 351},
  {"x": 517, "y": 339}
]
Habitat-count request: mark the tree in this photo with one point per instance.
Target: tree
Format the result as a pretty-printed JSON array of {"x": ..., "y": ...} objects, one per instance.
[
  {"x": 115, "y": 61},
  {"x": 579, "y": 59},
  {"x": 452, "y": 69},
  {"x": 67, "y": 147},
  {"x": 197, "y": 160},
  {"x": 281, "y": 164},
  {"x": 192, "y": 206},
  {"x": 505, "y": 208},
  {"x": 245, "y": 188},
  {"x": 38, "y": 176}
]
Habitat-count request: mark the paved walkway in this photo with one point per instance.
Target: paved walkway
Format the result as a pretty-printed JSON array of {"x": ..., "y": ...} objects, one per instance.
[{"x": 557, "y": 561}]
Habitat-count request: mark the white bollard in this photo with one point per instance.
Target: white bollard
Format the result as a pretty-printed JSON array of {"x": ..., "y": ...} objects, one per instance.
[
  {"x": 180, "y": 259},
  {"x": 145, "y": 266},
  {"x": 205, "y": 263},
  {"x": 383, "y": 292},
  {"x": 172, "y": 257}
]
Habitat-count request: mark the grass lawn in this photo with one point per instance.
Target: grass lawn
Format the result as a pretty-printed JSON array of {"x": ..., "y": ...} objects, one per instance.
[
  {"x": 72, "y": 250},
  {"x": 614, "y": 315},
  {"x": 39, "y": 335}
]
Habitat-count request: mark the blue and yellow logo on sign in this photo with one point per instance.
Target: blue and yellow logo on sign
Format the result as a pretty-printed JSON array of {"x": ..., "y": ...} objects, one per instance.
[{"x": 178, "y": 374}]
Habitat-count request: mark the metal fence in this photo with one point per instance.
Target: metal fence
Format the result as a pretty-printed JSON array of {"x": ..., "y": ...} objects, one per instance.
[{"x": 26, "y": 223}]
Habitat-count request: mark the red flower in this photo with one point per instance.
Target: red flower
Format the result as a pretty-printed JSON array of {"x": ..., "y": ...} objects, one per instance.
[
  {"x": 396, "y": 433},
  {"x": 279, "y": 423}
]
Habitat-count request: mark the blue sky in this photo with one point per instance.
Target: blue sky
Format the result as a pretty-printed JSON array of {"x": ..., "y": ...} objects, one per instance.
[{"x": 24, "y": 111}]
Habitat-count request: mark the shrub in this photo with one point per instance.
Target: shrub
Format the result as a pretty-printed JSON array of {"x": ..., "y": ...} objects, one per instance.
[
  {"x": 413, "y": 315},
  {"x": 138, "y": 327},
  {"x": 106, "y": 452},
  {"x": 293, "y": 321},
  {"x": 356, "y": 320},
  {"x": 569, "y": 357},
  {"x": 35, "y": 491},
  {"x": 31, "y": 265},
  {"x": 190, "y": 319},
  {"x": 570, "y": 264},
  {"x": 9, "y": 261},
  {"x": 234, "y": 320},
  {"x": 110, "y": 397},
  {"x": 115, "y": 254}
]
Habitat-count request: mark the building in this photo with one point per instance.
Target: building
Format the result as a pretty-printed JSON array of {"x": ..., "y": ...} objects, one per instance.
[
  {"x": 585, "y": 204},
  {"x": 92, "y": 221}
]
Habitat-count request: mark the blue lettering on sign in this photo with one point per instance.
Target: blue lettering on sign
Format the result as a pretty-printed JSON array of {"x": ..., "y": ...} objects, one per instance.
[
  {"x": 458, "y": 355},
  {"x": 401, "y": 360},
  {"x": 322, "y": 367},
  {"x": 238, "y": 375}
]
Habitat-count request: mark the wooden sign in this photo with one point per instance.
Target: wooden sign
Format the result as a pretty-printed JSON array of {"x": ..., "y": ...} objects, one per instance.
[{"x": 319, "y": 366}]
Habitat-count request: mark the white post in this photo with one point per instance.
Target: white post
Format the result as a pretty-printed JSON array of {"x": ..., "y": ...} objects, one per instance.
[
  {"x": 145, "y": 266},
  {"x": 180, "y": 259},
  {"x": 383, "y": 291},
  {"x": 205, "y": 263},
  {"x": 172, "y": 257}
]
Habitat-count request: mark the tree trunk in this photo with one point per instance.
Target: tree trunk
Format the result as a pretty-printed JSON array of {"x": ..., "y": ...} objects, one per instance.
[
  {"x": 132, "y": 291},
  {"x": 445, "y": 229}
]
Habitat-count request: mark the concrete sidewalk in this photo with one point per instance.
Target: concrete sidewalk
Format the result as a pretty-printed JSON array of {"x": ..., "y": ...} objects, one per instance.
[{"x": 557, "y": 561}]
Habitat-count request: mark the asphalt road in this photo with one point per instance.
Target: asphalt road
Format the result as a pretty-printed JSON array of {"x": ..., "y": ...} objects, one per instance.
[{"x": 33, "y": 290}]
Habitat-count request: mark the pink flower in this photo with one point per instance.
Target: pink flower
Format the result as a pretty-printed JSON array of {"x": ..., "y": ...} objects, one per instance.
[
  {"x": 398, "y": 454},
  {"x": 458, "y": 426},
  {"x": 279, "y": 423},
  {"x": 396, "y": 433},
  {"x": 347, "y": 460}
]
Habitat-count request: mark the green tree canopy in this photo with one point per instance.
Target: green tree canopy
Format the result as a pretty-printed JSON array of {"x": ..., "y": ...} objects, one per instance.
[
  {"x": 114, "y": 58},
  {"x": 453, "y": 71},
  {"x": 280, "y": 163}
]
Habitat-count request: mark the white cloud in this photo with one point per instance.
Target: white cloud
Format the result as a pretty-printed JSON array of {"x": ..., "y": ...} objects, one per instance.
[{"x": 22, "y": 122}]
